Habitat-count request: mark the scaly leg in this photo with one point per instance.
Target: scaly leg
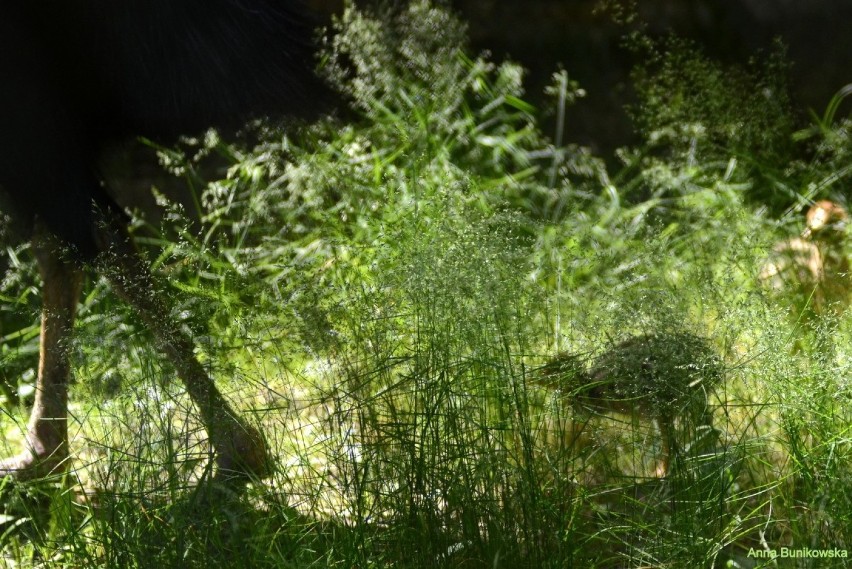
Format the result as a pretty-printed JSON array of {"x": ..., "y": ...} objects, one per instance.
[
  {"x": 240, "y": 448},
  {"x": 47, "y": 434},
  {"x": 666, "y": 426}
]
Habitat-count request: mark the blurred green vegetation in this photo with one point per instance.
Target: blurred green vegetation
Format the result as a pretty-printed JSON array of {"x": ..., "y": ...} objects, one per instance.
[{"x": 378, "y": 295}]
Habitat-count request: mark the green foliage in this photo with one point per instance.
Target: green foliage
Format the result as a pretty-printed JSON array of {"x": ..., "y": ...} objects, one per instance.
[
  {"x": 18, "y": 328},
  {"x": 386, "y": 293},
  {"x": 702, "y": 112}
]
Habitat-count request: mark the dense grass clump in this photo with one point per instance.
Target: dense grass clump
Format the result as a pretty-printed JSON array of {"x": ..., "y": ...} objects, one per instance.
[{"x": 382, "y": 297}]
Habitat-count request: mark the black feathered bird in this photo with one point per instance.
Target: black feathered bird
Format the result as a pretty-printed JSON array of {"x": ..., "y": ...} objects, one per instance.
[{"x": 76, "y": 78}]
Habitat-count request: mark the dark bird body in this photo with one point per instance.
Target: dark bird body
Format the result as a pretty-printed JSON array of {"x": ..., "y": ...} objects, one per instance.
[
  {"x": 80, "y": 76},
  {"x": 659, "y": 377}
]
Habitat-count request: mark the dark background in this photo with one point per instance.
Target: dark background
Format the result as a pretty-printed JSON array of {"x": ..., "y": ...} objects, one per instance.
[
  {"x": 544, "y": 34},
  {"x": 577, "y": 35}
]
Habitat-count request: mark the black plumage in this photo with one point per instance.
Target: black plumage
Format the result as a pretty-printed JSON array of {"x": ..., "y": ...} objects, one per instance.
[{"x": 76, "y": 78}]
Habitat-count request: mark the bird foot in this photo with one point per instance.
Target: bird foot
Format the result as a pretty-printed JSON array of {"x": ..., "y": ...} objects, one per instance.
[
  {"x": 33, "y": 464},
  {"x": 242, "y": 454}
]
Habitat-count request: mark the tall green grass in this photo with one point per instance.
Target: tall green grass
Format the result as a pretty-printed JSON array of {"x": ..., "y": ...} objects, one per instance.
[{"x": 378, "y": 297}]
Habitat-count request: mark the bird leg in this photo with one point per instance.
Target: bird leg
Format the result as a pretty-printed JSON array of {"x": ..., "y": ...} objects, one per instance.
[
  {"x": 669, "y": 445},
  {"x": 46, "y": 449},
  {"x": 240, "y": 449}
]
